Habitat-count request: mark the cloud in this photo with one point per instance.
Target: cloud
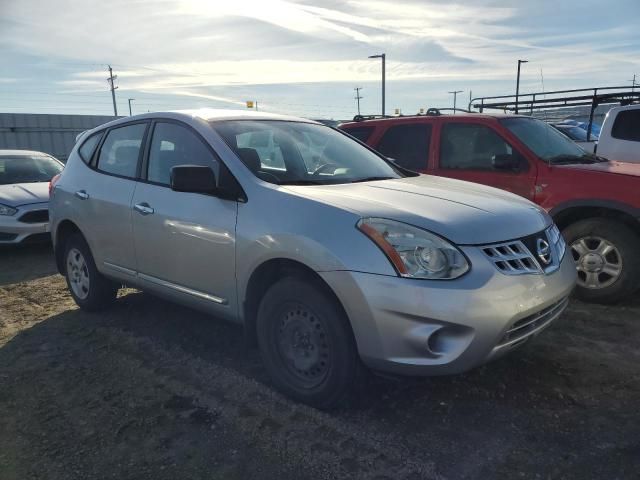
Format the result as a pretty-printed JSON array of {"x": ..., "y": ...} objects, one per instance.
[{"x": 224, "y": 51}]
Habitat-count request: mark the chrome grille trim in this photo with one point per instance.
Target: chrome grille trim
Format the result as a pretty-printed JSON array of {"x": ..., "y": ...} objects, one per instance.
[
  {"x": 515, "y": 258},
  {"x": 520, "y": 329}
]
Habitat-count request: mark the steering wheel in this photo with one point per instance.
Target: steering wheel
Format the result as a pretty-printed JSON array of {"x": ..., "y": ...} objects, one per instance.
[{"x": 326, "y": 168}]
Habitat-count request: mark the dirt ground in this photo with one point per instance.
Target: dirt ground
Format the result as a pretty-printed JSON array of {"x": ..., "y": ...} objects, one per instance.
[{"x": 153, "y": 390}]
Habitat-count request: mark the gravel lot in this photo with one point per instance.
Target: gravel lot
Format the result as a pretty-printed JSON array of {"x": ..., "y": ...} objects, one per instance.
[{"x": 153, "y": 390}]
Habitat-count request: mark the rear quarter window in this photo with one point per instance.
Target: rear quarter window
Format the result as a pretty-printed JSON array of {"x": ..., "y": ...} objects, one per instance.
[
  {"x": 627, "y": 125},
  {"x": 89, "y": 146}
]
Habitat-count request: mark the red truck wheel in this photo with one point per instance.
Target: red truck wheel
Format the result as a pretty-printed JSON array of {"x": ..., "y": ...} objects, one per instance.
[{"x": 607, "y": 259}]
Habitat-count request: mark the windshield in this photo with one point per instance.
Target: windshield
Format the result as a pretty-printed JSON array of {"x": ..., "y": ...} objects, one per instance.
[
  {"x": 285, "y": 152},
  {"x": 28, "y": 169},
  {"x": 544, "y": 140}
]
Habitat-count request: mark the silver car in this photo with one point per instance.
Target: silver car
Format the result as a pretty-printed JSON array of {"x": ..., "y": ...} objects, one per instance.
[
  {"x": 331, "y": 257},
  {"x": 24, "y": 195}
]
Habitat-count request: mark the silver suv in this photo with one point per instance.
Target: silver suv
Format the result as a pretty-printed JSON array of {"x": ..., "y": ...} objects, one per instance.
[{"x": 330, "y": 256}]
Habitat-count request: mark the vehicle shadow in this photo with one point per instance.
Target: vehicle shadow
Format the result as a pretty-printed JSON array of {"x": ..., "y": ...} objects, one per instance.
[
  {"x": 26, "y": 262},
  {"x": 540, "y": 409}
]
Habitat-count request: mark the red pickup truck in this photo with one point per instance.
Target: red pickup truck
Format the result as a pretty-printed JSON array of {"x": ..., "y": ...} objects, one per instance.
[{"x": 595, "y": 202}]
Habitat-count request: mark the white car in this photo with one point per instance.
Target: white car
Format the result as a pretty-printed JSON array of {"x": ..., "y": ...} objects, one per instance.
[
  {"x": 620, "y": 134},
  {"x": 24, "y": 195}
]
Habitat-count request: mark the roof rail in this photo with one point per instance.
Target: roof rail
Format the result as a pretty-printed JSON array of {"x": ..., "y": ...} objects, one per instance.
[{"x": 360, "y": 118}]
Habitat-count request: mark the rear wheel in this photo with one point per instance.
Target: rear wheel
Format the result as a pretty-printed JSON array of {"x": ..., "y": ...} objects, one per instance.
[
  {"x": 88, "y": 287},
  {"x": 607, "y": 259},
  {"x": 307, "y": 344}
]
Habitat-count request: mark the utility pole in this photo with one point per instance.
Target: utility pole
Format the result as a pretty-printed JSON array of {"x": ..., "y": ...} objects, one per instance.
[
  {"x": 383, "y": 56},
  {"x": 518, "y": 82},
  {"x": 633, "y": 83},
  {"x": 111, "y": 81},
  {"x": 455, "y": 97},
  {"x": 130, "y": 105},
  {"x": 358, "y": 97}
]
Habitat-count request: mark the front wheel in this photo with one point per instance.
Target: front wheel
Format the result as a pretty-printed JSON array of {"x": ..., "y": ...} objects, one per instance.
[
  {"x": 89, "y": 288},
  {"x": 607, "y": 259},
  {"x": 307, "y": 344}
]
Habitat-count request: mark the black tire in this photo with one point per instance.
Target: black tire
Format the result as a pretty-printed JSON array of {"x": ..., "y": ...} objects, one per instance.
[
  {"x": 100, "y": 292},
  {"x": 625, "y": 241},
  {"x": 330, "y": 372}
]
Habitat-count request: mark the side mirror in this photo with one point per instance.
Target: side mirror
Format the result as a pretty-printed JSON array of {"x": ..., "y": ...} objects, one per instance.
[
  {"x": 193, "y": 179},
  {"x": 507, "y": 162}
]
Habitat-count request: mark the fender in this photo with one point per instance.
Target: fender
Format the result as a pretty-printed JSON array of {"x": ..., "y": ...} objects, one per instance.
[{"x": 596, "y": 203}]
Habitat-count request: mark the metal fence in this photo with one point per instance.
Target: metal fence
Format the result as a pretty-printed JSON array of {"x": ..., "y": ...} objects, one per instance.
[{"x": 53, "y": 134}]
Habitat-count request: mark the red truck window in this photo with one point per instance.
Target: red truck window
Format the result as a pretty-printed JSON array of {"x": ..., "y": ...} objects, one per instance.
[
  {"x": 468, "y": 146},
  {"x": 407, "y": 144}
]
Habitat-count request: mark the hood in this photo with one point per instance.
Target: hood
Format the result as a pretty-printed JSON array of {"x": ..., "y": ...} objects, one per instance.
[
  {"x": 620, "y": 168},
  {"x": 24, "y": 193},
  {"x": 463, "y": 212}
]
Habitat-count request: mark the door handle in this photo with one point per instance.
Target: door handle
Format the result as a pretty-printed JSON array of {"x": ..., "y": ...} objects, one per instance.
[
  {"x": 82, "y": 195},
  {"x": 143, "y": 208}
]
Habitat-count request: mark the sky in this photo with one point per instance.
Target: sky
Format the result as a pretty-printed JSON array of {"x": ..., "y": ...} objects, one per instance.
[{"x": 304, "y": 57}]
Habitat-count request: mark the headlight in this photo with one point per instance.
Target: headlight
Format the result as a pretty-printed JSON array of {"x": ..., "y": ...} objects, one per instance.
[
  {"x": 415, "y": 253},
  {"x": 4, "y": 210}
]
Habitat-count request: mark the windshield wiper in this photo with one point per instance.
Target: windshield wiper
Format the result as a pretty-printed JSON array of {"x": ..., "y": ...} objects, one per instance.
[
  {"x": 371, "y": 179},
  {"x": 569, "y": 158}
]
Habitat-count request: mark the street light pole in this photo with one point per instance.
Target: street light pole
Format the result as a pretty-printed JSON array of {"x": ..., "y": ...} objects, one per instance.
[
  {"x": 518, "y": 82},
  {"x": 455, "y": 96},
  {"x": 130, "y": 99},
  {"x": 383, "y": 56}
]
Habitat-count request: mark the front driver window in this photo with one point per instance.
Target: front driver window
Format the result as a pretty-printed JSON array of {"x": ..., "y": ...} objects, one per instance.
[
  {"x": 173, "y": 145},
  {"x": 468, "y": 146}
]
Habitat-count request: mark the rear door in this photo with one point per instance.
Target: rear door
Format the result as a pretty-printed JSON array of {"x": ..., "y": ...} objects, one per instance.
[
  {"x": 185, "y": 242},
  {"x": 476, "y": 152},
  {"x": 103, "y": 198}
]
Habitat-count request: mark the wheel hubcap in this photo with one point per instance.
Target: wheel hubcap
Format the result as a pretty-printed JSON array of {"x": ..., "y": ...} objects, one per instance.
[
  {"x": 303, "y": 345},
  {"x": 598, "y": 262},
  {"x": 78, "y": 273}
]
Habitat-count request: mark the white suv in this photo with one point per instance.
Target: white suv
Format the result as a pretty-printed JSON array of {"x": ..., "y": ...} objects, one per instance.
[{"x": 620, "y": 134}]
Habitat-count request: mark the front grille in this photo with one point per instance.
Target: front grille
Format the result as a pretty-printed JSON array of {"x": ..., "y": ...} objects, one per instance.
[
  {"x": 7, "y": 237},
  {"x": 526, "y": 326},
  {"x": 35, "y": 216},
  {"x": 528, "y": 254}
]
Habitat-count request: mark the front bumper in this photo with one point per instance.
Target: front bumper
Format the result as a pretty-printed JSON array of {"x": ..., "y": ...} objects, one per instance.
[
  {"x": 427, "y": 327},
  {"x": 29, "y": 224}
]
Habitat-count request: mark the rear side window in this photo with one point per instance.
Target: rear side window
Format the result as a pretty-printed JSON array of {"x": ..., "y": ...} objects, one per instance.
[
  {"x": 361, "y": 133},
  {"x": 174, "y": 145},
  {"x": 121, "y": 149},
  {"x": 89, "y": 146},
  {"x": 407, "y": 144},
  {"x": 627, "y": 126}
]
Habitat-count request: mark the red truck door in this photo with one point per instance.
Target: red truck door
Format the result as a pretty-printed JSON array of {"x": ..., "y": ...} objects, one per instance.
[{"x": 476, "y": 152}]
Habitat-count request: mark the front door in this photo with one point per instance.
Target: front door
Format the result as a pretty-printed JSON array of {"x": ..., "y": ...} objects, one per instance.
[
  {"x": 476, "y": 153},
  {"x": 185, "y": 242}
]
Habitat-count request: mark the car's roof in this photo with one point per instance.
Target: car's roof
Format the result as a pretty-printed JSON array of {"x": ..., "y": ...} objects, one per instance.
[
  {"x": 22, "y": 153},
  {"x": 481, "y": 116}
]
